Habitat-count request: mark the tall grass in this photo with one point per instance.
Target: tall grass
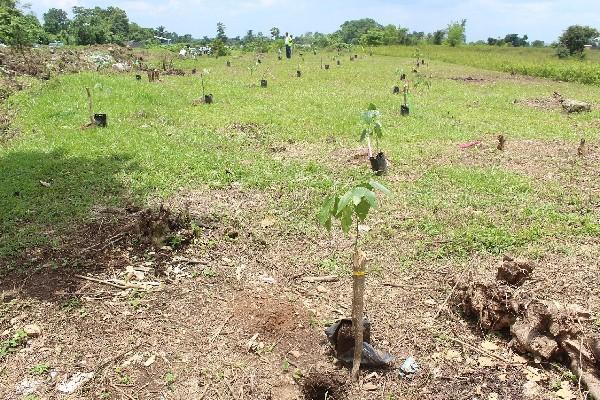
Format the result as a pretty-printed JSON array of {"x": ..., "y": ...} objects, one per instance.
[{"x": 539, "y": 62}]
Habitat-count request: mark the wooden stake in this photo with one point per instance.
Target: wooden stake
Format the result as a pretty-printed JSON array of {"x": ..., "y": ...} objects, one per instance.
[
  {"x": 501, "y": 142},
  {"x": 358, "y": 291},
  {"x": 581, "y": 148},
  {"x": 90, "y": 105}
]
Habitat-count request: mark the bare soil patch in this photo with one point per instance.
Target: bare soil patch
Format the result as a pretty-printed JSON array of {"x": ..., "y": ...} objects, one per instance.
[
  {"x": 541, "y": 103},
  {"x": 552, "y": 160},
  {"x": 196, "y": 334}
]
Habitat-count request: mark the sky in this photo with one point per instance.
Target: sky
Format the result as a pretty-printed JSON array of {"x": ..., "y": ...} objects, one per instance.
[{"x": 539, "y": 19}]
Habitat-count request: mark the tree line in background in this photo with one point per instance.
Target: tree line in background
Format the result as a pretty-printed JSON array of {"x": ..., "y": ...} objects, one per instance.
[{"x": 98, "y": 25}]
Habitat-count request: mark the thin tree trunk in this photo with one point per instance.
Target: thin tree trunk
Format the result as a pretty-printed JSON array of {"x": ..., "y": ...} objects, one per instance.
[
  {"x": 90, "y": 104},
  {"x": 358, "y": 290}
]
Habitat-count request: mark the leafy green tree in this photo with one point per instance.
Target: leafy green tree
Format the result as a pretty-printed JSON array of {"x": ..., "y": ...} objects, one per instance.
[
  {"x": 16, "y": 28},
  {"x": 576, "y": 37},
  {"x": 351, "y": 31},
  {"x": 538, "y": 43},
  {"x": 221, "y": 32},
  {"x": 219, "y": 48},
  {"x": 456, "y": 33},
  {"x": 275, "y": 32},
  {"x": 438, "y": 37},
  {"x": 139, "y": 34},
  {"x": 56, "y": 21},
  {"x": 249, "y": 37},
  {"x": 373, "y": 37},
  {"x": 117, "y": 22},
  {"x": 516, "y": 41}
]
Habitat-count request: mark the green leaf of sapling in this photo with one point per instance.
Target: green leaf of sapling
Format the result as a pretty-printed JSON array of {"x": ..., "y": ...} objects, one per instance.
[
  {"x": 378, "y": 186},
  {"x": 344, "y": 201},
  {"x": 327, "y": 211},
  {"x": 362, "y": 210},
  {"x": 346, "y": 219}
]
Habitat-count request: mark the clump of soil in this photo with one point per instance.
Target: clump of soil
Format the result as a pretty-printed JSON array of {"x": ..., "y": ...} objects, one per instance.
[
  {"x": 321, "y": 386},
  {"x": 545, "y": 329},
  {"x": 514, "y": 271},
  {"x": 154, "y": 226},
  {"x": 269, "y": 317}
]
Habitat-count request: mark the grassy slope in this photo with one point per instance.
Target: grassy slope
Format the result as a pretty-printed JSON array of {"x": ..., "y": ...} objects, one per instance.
[
  {"x": 158, "y": 143},
  {"x": 539, "y": 62}
]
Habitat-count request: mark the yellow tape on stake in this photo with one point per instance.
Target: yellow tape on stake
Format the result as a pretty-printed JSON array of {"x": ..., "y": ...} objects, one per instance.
[{"x": 360, "y": 273}]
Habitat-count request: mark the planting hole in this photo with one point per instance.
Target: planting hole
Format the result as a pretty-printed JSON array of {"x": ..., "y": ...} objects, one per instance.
[{"x": 323, "y": 387}]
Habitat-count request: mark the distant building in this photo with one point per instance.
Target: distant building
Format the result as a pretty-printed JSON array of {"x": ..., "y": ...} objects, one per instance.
[
  {"x": 587, "y": 47},
  {"x": 163, "y": 40}
]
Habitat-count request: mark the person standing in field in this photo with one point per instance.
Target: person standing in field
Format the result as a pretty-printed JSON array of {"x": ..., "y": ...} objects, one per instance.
[{"x": 288, "y": 46}]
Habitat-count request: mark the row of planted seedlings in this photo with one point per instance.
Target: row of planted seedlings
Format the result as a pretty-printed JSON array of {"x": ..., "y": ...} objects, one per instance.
[{"x": 351, "y": 337}]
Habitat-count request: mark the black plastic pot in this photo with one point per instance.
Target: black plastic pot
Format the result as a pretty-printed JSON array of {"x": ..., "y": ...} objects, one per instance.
[
  {"x": 263, "y": 83},
  {"x": 259, "y": 61},
  {"x": 396, "y": 90},
  {"x": 404, "y": 110},
  {"x": 356, "y": 56},
  {"x": 339, "y": 62},
  {"x": 378, "y": 163},
  {"x": 138, "y": 77},
  {"x": 403, "y": 77},
  {"x": 229, "y": 63},
  {"x": 100, "y": 120},
  {"x": 298, "y": 73},
  {"x": 208, "y": 99},
  {"x": 422, "y": 62},
  {"x": 326, "y": 66},
  {"x": 194, "y": 71},
  {"x": 279, "y": 58},
  {"x": 314, "y": 52}
]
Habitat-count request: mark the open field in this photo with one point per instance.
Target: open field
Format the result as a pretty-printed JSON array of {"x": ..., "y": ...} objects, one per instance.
[
  {"x": 538, "y": 62},
  {"x": 251, "y": 171}
]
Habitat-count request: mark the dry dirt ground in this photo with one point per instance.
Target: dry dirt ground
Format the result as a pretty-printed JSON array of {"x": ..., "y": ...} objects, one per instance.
[
  {"x": 233, "y": 318},
  {"x": 227, "y": 311}
]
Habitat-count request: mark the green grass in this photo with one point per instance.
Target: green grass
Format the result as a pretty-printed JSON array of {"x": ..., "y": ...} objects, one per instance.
[
  {"x": 539, "y": 62},
  {"x": 157, "y": 143}
]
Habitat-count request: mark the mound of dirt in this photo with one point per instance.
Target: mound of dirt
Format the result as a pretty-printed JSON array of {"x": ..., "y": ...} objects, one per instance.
[
  {"x": 514, "y": 272},
  {"x": 543, "y": 329}
]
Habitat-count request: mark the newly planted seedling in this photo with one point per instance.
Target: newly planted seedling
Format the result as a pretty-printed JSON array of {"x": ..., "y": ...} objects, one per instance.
[
  {"x": 404, "y": 109},
  {"x": 263, "y": 80},
  {"x": 373, "y": 130},
  {"x": 352, "y": 209},
  {"x": 207, "y": 98},
  {"x": 299, "y": 72}
]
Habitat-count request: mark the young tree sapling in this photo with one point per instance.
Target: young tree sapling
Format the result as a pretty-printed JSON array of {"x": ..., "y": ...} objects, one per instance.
[
  {"x": 206, "y": 98},
  {"x": 373, "y": 130},
  {"x": 351, "y": 209}
]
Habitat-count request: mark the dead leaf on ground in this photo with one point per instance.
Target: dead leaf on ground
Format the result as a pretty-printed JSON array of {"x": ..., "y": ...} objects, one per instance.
[
  {"x": 534, "y": 375},
  {"x": 453, "y": 355},
  {"x": 491, "y": 346},
  {"x": 486, "y": 362}
]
